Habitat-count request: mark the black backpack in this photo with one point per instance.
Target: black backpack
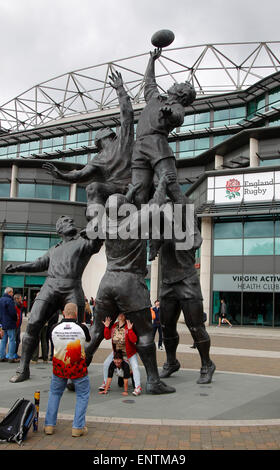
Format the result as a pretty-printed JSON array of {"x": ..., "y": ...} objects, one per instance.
[{"x": 16, "y": 424}]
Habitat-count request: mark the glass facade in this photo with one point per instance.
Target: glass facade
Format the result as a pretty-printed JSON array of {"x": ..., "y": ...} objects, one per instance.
[
  {"x": 44, "y": 191},
  {"x": 81, "y": 195},
  {"x": 4, "y": 189},
  {"x": 250, "y": 238},
  {"x": 252, "y": 299},
  {"x": 192, "y": 147},
  {"x": 229, "y": 116},
  {"x": 26, "y": 248},
  {"x": 196, "y": 121}
]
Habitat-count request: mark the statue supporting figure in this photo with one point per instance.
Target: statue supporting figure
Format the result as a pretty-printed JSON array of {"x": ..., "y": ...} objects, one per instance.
[
  {"x": 65, "y": 263},
  {"x": 180, "y": 291},
  {"x": 123, "y": 288}
]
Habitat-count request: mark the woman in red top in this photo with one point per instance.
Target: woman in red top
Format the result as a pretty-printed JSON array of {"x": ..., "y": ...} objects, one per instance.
[{"x": 124, "y": 339}]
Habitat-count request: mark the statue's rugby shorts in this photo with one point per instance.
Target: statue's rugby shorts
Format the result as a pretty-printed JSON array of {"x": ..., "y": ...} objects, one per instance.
[{"x": 121, "y": 292}]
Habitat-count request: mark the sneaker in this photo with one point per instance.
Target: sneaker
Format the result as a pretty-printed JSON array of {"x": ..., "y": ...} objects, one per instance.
[
  {"x": 79, "y": 432},
  {"x": 137, "y": 391},
  {"x": 102, "y": 387}
]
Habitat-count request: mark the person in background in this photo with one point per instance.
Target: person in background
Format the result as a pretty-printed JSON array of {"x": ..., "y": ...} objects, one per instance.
[
  {"x": 43, "y": 340},
  {"x": 156, "y": 323},
  {"x": 8, "y": 322},
  {"x": 52, "y": 321},
  {"x": 223, "y": 314},
  {"x": 92, "y": 304},
  {"x": 69, "y": 362},
  {"x": 88, "y": 314},
  {"x": 19, "y": 308},
  {"x": 24, "y": 306}
]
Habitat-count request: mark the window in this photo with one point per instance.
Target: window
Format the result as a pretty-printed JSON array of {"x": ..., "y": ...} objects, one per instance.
[
  {"x": 261, "y": 228},
  {"x": 27, "y": 247},
  {"x": 229, "y": 116},
  {"x": 77, "y": 140},
  {"x": 274, "y": 99},
  {"x": 50, "y": 145},
  {"x": 60, "y": 192},
  {"x": 82, "y": 159},
  {"x": 27, "y": 148},
  {"x": 258, "y": 246},
  {"x": 218, "y": 139},
  {"x": 8, "y": 152},
  {"x": 251, "y": 238},
  {"x": 228, "y": 230},
  {"x": 9, "y": 280},
  {"x": 196, "y": 121},
  {"x": 229, "y": 247},
  {"x": 81, "y": 195},
  {"x": 4, "y": 189},
  {"x": 43, "y": 191},
  {"x": 256, "y": 105},
  {"x": 192, "y": 147},
  {"x": 26, "y": 190}
]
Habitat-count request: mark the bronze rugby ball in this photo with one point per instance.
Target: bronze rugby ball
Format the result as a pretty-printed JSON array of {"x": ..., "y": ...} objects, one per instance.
[{"x": 162, "y": 38}]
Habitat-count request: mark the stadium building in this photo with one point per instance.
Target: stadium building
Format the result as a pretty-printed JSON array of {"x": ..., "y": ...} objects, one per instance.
[{"x": 228, "y": 161}]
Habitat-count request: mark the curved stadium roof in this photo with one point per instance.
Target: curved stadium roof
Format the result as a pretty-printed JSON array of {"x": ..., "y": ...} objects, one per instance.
[{"x": 211, "y": 68}]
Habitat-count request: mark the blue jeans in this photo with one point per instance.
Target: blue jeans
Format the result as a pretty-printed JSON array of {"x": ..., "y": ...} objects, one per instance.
[
  {"x": 11, "y": 335},
  {"x": 82, "y": 389}
]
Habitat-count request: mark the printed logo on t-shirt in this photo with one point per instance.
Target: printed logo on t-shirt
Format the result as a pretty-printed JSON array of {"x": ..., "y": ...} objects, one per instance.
[{"x": 69, "y": 359}]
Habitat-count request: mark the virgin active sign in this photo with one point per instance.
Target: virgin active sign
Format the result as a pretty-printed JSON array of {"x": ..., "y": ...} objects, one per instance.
[
  {"x": 246, "y": 282},
  {"x": 249, "y": 187}
]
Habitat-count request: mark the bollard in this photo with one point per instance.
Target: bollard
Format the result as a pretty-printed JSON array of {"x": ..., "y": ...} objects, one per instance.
[{"x": 37, "y": 405}]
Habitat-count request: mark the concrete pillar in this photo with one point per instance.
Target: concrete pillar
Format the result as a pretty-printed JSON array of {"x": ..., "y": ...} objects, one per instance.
[
  {"x": 73, "y": 192},
  {"x": 14, "y": 175},
  {"x": 154, "y": 280},
  {"x": 218, "y": 162},
  {"x": 205, "y": 264},
  {"x": 254, "y": 149}
]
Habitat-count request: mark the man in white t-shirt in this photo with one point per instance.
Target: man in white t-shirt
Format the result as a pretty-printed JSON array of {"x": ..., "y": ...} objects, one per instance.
[{"x": 69, "y": 362}]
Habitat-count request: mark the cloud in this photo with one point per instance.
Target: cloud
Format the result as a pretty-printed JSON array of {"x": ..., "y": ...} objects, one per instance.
[{"x": 40, "y": 40}]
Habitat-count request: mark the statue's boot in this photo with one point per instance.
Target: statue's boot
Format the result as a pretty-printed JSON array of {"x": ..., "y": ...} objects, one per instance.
[
  {"x": 20, "y": 376},
  {"x": 29, "y": 344},
  {"x": 206, "y": 374},
  {"x": 168, "y": 369},
  {"x": 159, "y": 388},
  {"x": 172, "y": 364},
  {"x": 154, "y": 385}
]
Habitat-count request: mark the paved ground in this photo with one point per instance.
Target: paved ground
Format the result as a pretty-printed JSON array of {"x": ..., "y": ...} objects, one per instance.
[{"x": 239, "y": 410}]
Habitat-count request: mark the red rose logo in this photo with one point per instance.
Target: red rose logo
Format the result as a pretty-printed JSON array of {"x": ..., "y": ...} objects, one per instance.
[{"x": 232, "y": 188}]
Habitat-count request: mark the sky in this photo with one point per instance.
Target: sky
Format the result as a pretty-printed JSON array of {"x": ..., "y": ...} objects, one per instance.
[{"x": 41, "y": 39}]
